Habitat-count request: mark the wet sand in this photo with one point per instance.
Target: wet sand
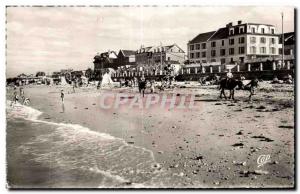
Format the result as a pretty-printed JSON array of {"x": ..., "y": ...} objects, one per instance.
[{"x": 215, "y": 144}]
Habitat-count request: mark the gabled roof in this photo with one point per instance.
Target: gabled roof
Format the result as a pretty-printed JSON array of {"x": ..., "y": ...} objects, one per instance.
[
  {"x": 221, "y": 33},
  {"x": 127, "y": 53},
  {"x": 165, "y": 47},
  {"x": 170, "y": 46},
  {"x": 203, "y": 37}
]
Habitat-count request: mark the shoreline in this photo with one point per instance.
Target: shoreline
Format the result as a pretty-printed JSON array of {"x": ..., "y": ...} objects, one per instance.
[{"x": 175, "y": 143}]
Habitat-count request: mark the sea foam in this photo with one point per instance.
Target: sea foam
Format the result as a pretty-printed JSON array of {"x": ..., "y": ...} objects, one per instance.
[{"x": 72, "y": 146}]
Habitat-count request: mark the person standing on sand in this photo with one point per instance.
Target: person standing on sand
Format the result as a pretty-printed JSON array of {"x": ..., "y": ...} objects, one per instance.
[
  {"x": 73, "y": 86},
  {"x": 15, "y": 97},
  {"x": 21, "y": 91},
  {"x": 152, "y": 84},
  {"x": 62, "y": 95}
]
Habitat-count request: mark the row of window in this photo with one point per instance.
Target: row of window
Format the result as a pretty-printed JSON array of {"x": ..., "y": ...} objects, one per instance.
[
  {"x": 262, "y": 30},
  {"x": 163, "y": 50},
  {"x": 262, "y": 50},
  {"x": 223, "y": 60},
  {"x": 253, "y": 30},
  {"x": 241, "y": 30},
  {"x": 262, "y": 40},
  {"x": 213, "y": 53},
  {"x": 241, "y": 40},
  {"x": 231, "y": 51},
  {"x": 159, "y": 50},
  {"x": 213, "y": 44}
]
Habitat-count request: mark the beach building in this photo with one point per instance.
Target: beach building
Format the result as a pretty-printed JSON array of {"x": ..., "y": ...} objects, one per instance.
[
  {"x": 104, "y": 60},
  {"x": 159, "y": 55},
  {"x": 143, "y": 55},
  {"x": 289, "y": 45},
  {"x": 125, "y": 58},
  {"x": 235, "y": 44}
]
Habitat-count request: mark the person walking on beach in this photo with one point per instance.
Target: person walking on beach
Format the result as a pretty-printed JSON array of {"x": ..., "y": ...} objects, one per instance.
[{"x": 62, "y": 95}]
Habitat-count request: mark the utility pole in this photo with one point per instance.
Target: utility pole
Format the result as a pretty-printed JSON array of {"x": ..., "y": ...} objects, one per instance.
[
  {"x": 160, "y": 55},
  {"x": 282, "y": 38}
]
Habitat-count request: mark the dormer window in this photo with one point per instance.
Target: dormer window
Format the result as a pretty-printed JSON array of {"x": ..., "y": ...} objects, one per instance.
[
  {"x": 272, "y": 31},
  {"x": 241, "y": 30},
  {"x": 262, "y": 30},
  {"x": 231, "y": 31},
  {"x": 253, "y": 30}
]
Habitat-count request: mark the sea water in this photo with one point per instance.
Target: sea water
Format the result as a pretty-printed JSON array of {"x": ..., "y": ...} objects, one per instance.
[{"x": 79, "y": 157}]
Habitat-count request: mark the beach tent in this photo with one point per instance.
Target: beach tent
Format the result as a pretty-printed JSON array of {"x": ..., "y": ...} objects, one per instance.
[
  {"x": 63, "y": 81},
  {"x": 106, "y": 81}
]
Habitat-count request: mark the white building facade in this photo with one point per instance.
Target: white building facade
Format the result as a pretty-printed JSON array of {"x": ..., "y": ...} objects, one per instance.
[{"x": 235, "y": 44}]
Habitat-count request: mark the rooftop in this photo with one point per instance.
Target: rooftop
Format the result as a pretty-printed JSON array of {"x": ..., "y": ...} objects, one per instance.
[
  {"x": 128, "y": 52},
  {"x": 222, "y": 33},
  {"x": 203, "y": 37}
]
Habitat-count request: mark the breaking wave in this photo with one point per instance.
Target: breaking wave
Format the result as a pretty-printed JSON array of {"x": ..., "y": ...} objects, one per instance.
[{"x": 72, "y": 147}]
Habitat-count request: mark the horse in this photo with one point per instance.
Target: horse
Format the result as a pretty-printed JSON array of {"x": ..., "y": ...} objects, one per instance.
[
  {"x": 250, "y": 87},
  {"x": 230, "y": 85}
]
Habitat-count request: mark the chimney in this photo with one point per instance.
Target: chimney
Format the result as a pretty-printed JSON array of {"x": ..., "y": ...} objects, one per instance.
[
  {"x": 239, "y": 22},
  {"x": 229, "y": 24}
]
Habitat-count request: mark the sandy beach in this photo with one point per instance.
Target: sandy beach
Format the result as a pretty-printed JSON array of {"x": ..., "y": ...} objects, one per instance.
[{"x": 78, "y": 144}]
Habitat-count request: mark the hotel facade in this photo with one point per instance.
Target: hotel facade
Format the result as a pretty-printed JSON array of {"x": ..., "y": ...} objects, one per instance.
[{"x": 235, "y": 44}]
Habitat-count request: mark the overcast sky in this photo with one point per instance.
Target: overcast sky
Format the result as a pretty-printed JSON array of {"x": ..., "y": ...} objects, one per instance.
[{"x": 53, "y": 38}]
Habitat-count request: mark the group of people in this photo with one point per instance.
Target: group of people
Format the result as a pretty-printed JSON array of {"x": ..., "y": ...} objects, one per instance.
[
  {"x": 129, "y": 82},
  {"x": 19, "y": 98},
  {"x": 288, "y": 80}
]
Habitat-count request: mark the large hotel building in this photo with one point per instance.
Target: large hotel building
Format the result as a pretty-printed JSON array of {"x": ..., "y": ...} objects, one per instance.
[{"x": 232, "y": 44}]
